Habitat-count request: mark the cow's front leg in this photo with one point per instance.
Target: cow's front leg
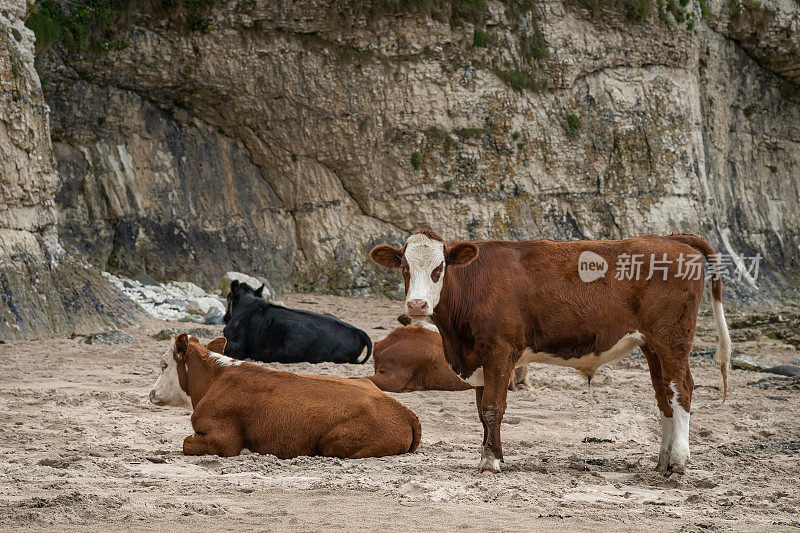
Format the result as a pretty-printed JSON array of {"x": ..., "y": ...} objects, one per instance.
[
  {"x": 196, "y": 445},
  {"x": 213, "y": 439},
  {"x": 493, "y": 404}
]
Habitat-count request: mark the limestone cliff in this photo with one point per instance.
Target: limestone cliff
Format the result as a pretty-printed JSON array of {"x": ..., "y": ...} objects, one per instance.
[
  {"x": 43, "y": 291},
  {"x": 287, "y": 138}
]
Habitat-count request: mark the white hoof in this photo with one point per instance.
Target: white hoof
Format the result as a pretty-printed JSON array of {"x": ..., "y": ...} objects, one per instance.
[
  {"x": 489, "y": 464},
  {"x": 677, "y": 461}
]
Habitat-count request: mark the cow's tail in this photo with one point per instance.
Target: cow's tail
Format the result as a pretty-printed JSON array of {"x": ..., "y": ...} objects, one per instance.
[
  {"x": 367, "y": 342},
  {"x": 723, "y": 355}
]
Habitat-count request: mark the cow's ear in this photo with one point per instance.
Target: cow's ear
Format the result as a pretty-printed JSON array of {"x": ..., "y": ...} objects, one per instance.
[
  {"x": 181, "y": 345},
  {"x": 386, "y": 256},
  {"x": 234, "y": 285},
  {"x": 260, "y": 291},
  {"x": 404, "y": 319},
  {"x": 462, "y": 253},
  {"x": 217, "y": 345}
]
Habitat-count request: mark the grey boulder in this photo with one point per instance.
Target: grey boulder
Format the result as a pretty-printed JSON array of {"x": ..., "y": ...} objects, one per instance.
[{"x": 110, "y": 337}]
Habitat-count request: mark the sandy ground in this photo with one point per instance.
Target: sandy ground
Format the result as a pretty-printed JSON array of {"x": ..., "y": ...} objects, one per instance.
[{"x": 81, "y": 448}]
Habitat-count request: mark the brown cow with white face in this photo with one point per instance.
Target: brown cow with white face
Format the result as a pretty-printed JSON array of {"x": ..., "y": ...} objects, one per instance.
[
  {"x": 499, "y": 305},
  {"x": 240, "y": 405}
]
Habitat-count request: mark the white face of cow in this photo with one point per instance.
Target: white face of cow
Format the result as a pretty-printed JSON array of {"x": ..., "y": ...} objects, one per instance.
[
  {"x": 167, "y": 390},
  {"x": 424, "y": 265},
  {"x": 423, "y": 262}
]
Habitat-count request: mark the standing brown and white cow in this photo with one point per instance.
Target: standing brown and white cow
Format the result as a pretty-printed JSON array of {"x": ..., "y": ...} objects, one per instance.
[{"x": 499, "y": 305}]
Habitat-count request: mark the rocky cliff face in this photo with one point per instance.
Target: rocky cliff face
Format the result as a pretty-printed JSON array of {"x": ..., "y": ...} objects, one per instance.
[
  {"x": 290, "y": 137},
  {"x": 43, "y": 291}
]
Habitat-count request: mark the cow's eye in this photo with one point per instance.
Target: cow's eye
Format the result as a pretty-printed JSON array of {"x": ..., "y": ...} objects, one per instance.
[
  {"x": 437, "y": 273},
  {"x": 163, "y": 366}
]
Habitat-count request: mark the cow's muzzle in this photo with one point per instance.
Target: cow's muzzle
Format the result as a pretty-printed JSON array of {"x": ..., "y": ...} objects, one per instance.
[
  {"x": 417, "y": 308},
  {"x": 153, "y": 398}
]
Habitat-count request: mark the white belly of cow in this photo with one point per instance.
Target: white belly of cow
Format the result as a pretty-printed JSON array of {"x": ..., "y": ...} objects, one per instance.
[{"x": 586, "y": 364}]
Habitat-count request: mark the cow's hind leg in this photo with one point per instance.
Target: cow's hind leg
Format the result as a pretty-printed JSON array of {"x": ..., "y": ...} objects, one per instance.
[
  {"x": 479, "y": 405},
  {"x": 674, "y": 396},
  {"x": 663, "y": 406},
  {"x": 364, "y": 436},
  {"x": 681, "y": 398},
  {"x": 520, "y": 379}
]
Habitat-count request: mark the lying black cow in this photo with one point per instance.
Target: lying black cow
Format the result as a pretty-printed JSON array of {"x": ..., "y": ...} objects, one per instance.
[{"x": 271, "y": 333}]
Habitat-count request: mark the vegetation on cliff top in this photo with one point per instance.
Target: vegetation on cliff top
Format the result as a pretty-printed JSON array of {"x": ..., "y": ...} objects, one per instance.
[
  {"x": 455, "y": 11},
  {"x": 681, "y": 12},
  {"x": 93, "y": 24},
  {"x": 474, "y": 11}
]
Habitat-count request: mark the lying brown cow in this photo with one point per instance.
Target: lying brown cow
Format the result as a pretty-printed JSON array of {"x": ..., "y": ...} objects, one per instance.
[
  {"x": 499, "y": 305},
  {"x": 411, "y": 358},
  {"x": 240, "y": 405}
]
